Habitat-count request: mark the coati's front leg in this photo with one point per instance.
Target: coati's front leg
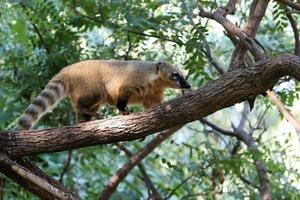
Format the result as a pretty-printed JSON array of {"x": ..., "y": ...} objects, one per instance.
[{"x": 121, "y": 106}]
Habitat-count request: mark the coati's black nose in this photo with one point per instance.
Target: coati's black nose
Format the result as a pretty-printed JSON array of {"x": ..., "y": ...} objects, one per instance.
[{"x": 184, "y": 84}]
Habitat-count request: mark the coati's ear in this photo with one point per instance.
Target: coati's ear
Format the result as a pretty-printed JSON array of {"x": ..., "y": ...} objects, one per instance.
[{"x": 159, "y": 66}]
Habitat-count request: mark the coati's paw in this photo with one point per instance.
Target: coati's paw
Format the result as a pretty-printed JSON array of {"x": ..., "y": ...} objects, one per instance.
[
  {"x": 125, "y": 112},
  {"x": 98, "y": 115}
]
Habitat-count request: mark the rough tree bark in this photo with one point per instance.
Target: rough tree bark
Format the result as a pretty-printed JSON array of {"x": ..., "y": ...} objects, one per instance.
[{"x": 33, "y": 179}]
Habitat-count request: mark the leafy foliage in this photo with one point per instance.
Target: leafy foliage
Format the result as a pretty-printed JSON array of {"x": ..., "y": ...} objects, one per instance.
[{"x": 39, "y": 38}]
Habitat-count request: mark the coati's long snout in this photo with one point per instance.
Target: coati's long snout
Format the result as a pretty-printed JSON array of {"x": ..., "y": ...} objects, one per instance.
[
  {"x": 179, "y": 80},
  {"x": 182, "y": 83}
]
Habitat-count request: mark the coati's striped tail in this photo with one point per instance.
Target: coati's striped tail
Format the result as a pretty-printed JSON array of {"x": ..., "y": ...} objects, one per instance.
[{"x": 43, "y": 103}]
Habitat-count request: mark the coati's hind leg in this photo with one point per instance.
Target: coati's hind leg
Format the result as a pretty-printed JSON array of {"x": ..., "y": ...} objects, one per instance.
[
  {"x": 122, "y": 100},
  {"x": 84, "y": 115},
  {"x": 87, "y": 107}
]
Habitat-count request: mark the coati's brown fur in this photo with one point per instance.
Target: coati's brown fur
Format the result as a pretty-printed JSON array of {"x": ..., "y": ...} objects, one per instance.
[{"x": 92, "y": 83}]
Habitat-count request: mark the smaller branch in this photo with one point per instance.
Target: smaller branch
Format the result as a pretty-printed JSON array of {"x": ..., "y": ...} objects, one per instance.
[
  {"x": 66, "y": 166},
  {"x": 126, "y": 56},
  {"x": 41, "y": 38},
  {"x": 236, "y": 148},
  {"x": 206, "y": 50},
  {"x": 258, "y": 139},
  {"x": 100, "y": 11},
  {"x": 247, "y": 138},
  {"x": 122, "y": 172},
  {"x": 249, "y": 42},
  {"x": 210, "y": 57},
  {"x": 188, "y": 14},
  {"x": 215, "y": 127},
  {"x": 287, "y": 115},
  {"x": 244, "y": 118},
  {"x": 296, "y": 34},
  {"x": 33, "y": 179},
  {"x": 223, "y": 10},
  {"x": 156, "y": 36},
  {"x": 179, "y": 185},
  {"x": 290, "y": 3},
  {"x": 230, "y": 7},
  {"x": 131, "y": 31},
  {"x": 43, "y": 42},
  {"x": 87, "y": 16},
  {"x": 257, "y": 12},
  {"x": 153, "y": 192},
  {"x": 260, "y": 118}
]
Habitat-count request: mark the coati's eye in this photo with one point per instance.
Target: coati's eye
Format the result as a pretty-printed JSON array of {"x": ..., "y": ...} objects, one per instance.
[{"x": 175, "y": 75}]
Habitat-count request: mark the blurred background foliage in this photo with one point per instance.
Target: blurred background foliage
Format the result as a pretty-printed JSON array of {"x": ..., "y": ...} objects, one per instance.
[{"x": 38, "y": 38}]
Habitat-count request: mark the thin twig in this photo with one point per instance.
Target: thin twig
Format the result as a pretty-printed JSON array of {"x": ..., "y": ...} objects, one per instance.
[
  {"x": 153, "y": 193},
  {"x": 206, "y": 50},
  {"x": 221, "y": 130},
  {"x": 156, "y": 36},
  {"x": 66, "y": 166},
  {"x": 248, "y": 182},
  {"x": 41, "y": 38},
  {"x": 249, "y": 141},
  {"x": 296, "y": 33},
  {"x": 43, "y": 42},
  {"x": 178, "y": 186}
]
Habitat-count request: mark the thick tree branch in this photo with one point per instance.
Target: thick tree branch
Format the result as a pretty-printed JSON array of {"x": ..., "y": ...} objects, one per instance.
[
  {"x": 230, "y": 7},
  {"x": 256, "y": 14},
  {"x": 257, "y": 11},
  {"x": 250, "y": 43},
  {"x": 230, "y": 88},
  {"x": 33, "y": 179},
  {"x": 287, "y": 115},
  {"x": 133, "y": 161}
]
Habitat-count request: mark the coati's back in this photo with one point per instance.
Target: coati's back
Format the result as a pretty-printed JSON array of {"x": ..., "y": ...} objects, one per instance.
[{"x": 88, "y": 77}]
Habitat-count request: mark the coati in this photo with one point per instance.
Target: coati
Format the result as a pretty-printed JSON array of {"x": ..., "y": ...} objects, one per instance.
[{"x": 91, "y": 83}]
